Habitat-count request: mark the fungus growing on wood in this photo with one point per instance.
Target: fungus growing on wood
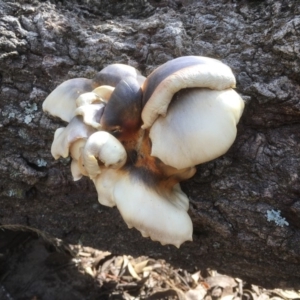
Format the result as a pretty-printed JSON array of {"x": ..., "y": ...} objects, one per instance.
[
  {"x": 65, "y": 137},
  {"x": 60, "y": 103},
  {"x": 207, "y": 134},
  {"x": 102, "y": 149},
  {"x": 91, "y": 114},
  {"x": 138, "y": 137}
]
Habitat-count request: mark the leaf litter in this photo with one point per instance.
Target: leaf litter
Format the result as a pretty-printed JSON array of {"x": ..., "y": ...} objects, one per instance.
[{"x": 35, "y": 266}]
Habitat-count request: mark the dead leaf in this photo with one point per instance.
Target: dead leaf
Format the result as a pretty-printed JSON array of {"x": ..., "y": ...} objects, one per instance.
[
  {"x": 140, "y": 266},
  {"x": 89, "y": 271},
  {"x": 196, "y": 294},
  {"x": 132, "y": 271},
  {"x": 196, "y": 276},
  {"x": 221, "y": 280}
]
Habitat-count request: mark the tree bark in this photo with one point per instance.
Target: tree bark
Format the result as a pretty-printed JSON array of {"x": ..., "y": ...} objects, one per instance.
[{"x": 45, "y": 43}]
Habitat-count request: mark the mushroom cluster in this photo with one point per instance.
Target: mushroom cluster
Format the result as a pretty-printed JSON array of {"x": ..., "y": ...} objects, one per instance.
[{"x": 136, "y": 138}]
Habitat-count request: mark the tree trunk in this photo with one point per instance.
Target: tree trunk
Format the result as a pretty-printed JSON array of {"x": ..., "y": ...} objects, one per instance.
[{"x": 45, "y": 43}]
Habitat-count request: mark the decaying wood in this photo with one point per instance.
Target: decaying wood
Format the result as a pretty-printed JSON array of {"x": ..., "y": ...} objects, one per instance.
[{"x": 45, "y": 43}]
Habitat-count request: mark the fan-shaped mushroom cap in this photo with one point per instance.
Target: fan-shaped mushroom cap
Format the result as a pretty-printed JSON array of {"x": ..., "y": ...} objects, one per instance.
[
  {"x": 65, "y": 136},
  {"x": 61, "y": 102},
  {"x": 91, "y": 114},
  {"x": 113, "y": 74},
  {"x": 200, "y": 126},
  {"x": 183, "y": 72},
  {"x": 162, "y": 217},
  {"x": 102, "y": 147}
]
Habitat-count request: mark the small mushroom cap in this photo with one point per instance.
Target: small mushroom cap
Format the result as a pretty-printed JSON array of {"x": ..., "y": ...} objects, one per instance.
[
  {"x": 58, "y": 147},
  {"x": 183, "y": 72},
  {"x": 76, "y": 148},
  {"x": 75, "y": 170},
  {"x": 65, "y": 136},
  {"x": 91, "y": 114},
  {"x": 101, "y": 147},
  {"x": 113, "y": 74},
  {"x": 200, "y": 126},
  {"x": 87, "y": 98},
  {"x": 61, "y": 102},
  {"x": 104, "y": 92},
  {"x": 161, "y": 216}
]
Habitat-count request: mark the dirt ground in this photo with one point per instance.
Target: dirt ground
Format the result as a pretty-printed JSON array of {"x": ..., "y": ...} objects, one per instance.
[{"x": 35, "y": 266}]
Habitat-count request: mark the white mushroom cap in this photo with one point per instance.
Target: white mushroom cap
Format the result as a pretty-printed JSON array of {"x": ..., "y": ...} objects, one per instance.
[
  {"x": 200, "y": 126},
  {"x": 75, "y": 170},
  {"x": 183, "y": 72},
  {"x": 65, "y": 136},
  {"x": 61, "y": 102},
  {"x": 76, "y": 148},
  {"x": 91, "y": 114},
  {"x": 104, "y": 92},
  {"x": 162, "y": 217},
  {"x": 99, "y": 94},
  {"x": 87, "y": 98},
  {"x": 102, "y": 147}
]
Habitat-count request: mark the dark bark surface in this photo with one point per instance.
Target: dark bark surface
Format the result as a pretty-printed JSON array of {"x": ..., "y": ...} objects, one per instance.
[{"x": 44, "y": 43}]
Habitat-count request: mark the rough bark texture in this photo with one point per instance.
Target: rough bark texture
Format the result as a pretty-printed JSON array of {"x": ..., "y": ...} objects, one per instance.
[{"x": 44, "y": 43}]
